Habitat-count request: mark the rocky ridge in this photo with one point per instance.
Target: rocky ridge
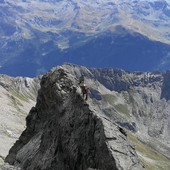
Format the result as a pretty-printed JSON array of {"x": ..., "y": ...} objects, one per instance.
[
  {"x": 65, "y": 132},
  {"x": 137, "y": 101}
]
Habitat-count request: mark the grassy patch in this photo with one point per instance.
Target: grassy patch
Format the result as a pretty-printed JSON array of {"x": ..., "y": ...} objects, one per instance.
[
  {"x": 1, "y": 160},
  {"x": 20, "y": 96},
  {"x": 122, "y": 108},
  {"x": 15, "y": 103},
  {"x": 159, "y": 165},
  {"x": 109, "y": 98},
  {"x": 152, "y": 159}
]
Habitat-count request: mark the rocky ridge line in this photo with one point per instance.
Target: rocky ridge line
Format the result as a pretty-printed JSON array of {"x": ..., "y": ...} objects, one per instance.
[{"x": 64, "y": 133}]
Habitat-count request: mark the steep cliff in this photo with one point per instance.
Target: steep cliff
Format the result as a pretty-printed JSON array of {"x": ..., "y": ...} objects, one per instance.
[
  {"x": 137, "y": 101},
  {"x": 66, "y": 133},
  {"x": 62, "y": 127}
]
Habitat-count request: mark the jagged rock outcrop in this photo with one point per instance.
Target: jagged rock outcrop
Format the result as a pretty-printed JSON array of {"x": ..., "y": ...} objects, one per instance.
[
  {"x": 113, "y": 79},
  {"x": 135, "y": 101},
  {"x": 66, "y": 133}
]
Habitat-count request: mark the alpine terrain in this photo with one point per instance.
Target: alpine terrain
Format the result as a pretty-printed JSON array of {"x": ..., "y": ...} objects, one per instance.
[
  {"x": 37, "y": 35},
  {"x": 17, "y": 97},
  {"x": 124, "y": 124}
]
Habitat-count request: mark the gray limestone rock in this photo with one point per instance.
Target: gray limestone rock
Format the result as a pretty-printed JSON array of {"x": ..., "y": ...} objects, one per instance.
[
  {"x": 132, "y": 97},
  {"x": 66, "y": 133},
  {"x": 9, "y": 167}
]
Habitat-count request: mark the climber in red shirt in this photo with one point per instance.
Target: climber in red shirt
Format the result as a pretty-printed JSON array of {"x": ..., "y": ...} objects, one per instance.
[{"x": 84, "y": 89}]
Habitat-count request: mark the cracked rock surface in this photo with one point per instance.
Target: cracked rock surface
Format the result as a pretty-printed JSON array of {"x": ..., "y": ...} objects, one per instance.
[{"x": 66, "y": 133}]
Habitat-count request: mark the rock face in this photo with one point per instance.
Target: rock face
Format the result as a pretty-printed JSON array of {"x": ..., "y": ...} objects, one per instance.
[
  {"x": 66, "y": 133},
  {"x": 137, "y": 101}
]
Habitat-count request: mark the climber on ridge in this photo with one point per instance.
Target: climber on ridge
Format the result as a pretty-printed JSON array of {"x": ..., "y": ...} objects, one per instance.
[{"x": 83, "y": 87}]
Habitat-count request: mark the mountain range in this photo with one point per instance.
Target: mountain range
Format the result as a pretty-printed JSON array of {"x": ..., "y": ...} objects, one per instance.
[
  {"x": 17, "y": 96},
  {"x": 38, "y": 35},
  {"x": 132, "y": 106}
]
